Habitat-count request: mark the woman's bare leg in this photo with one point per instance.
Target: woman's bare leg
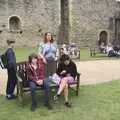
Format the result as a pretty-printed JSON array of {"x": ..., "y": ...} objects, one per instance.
[
  {"x": 62, "y": 85},
  {"x": 66, "y": 93}
]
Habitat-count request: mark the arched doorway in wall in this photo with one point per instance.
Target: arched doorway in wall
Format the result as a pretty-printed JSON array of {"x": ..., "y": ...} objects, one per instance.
[
  {"x": 103, "y": 37},
  {"x": 14, "y": 23}
]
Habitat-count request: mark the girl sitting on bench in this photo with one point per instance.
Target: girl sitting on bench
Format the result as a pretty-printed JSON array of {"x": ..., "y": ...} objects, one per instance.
[{"x": 65, "y": 74}]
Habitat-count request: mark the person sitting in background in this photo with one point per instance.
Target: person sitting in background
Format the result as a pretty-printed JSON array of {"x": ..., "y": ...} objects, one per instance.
[
  {"x": 110, "y": 51},
  {"x": 116, "y": 48},
  {"x": 74, "y": 50},
  {"x": 64, "y": 49},
  {"x": 102, "y": 47},
  {"x": 65, "y": 74},
  {"x": 35, "y": 72}
]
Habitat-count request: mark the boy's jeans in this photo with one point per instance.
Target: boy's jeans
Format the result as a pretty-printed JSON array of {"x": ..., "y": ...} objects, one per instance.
[{"x": 46, "y": 86}]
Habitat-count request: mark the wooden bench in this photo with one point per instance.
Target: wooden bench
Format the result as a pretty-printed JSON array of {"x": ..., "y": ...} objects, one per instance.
[
  {"x": 22, "y": 83},
  {"x": 94, "y": 51}
]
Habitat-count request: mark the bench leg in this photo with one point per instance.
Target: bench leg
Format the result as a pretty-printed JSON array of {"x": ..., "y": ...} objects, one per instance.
[
  {"x": 77, "y": 89},
  {"x": 17, "y": 90},
  {"x": 79, "y": 55},
  {"x": 94, "y": 53},
  {"x": 91, "y": 53},
  {"x": 20, "y": 93},
  {"x": 78, "y": 85}
]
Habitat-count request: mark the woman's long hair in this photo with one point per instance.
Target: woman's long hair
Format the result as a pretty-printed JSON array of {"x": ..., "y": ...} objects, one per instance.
[{"x": 45, "y": 38}]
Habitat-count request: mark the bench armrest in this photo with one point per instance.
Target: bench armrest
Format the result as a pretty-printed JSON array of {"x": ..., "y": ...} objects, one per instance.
[
  {"x": 78, "y": 74},
  {"x": 19, "y": 78}
]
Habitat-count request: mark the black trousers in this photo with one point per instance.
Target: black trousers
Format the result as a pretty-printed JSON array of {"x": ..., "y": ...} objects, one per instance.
[
  {"x": 50, "y": 68},
  {"x": 12, "y": 80}
]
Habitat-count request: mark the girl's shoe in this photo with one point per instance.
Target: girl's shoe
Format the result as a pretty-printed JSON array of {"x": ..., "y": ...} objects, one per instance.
[{"x": 67, "y": 104}]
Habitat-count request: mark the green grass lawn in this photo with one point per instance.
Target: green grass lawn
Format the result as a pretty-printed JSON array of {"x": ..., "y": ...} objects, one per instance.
[
  {"x": 85, "y": 55},
  {"x": 23, "y": 53},
  {"x": 95, "y": 102}
]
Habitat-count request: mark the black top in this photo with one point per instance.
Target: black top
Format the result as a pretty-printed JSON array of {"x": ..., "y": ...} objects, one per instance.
[{"x": 71, "y": 69}]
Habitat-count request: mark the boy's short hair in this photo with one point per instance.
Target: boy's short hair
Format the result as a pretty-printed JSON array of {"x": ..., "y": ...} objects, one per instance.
[
  {"x": 10, "y": 41},
  {"x": 33, "y": 55}
]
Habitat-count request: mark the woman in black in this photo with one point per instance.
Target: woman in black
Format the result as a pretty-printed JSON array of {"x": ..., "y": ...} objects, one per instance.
[{"x": 67, "y": 72}]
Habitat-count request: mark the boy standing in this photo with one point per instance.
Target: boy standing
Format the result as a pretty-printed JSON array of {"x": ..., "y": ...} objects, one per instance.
[{"x": 11, "y": 69}]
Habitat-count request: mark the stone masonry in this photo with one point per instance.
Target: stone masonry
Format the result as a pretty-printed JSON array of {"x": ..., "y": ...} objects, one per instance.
[
  {"x": 35, "y": 16},
  {"x": 79, "y": 21},
  {"x": 88, "y": 18}
]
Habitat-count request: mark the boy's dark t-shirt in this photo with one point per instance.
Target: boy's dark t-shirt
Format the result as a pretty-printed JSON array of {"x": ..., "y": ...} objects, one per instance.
[
  {"x": 11, "y": 59},
  {"x": 70, "y": 69}
]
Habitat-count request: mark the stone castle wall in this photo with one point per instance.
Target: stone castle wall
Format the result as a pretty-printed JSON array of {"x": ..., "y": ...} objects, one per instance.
[
  {"x": 79, "y": 21},
  {"x": 89, "y": 17},
  {"x": 36, "y": 18}
]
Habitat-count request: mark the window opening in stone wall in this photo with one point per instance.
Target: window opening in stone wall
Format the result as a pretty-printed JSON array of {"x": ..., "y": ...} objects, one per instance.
[
  {"x": 14, "y": 24},
  {"x": 103, "y": 37}
]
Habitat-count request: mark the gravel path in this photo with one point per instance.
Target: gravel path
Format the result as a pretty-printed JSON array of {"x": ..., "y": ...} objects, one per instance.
[{"x": 93, "y": 72}]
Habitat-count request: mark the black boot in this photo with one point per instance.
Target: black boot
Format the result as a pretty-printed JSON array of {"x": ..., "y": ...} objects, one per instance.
[{"x": 67, "y": 104}]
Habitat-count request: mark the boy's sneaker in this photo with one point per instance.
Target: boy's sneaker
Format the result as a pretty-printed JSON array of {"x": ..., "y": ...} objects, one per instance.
[
  {"x": 67, "y": 104},
  {"x": 48, "y": 105},
  {"x": 33, "y": 108},
  {"x": 11, "y": 97}
]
